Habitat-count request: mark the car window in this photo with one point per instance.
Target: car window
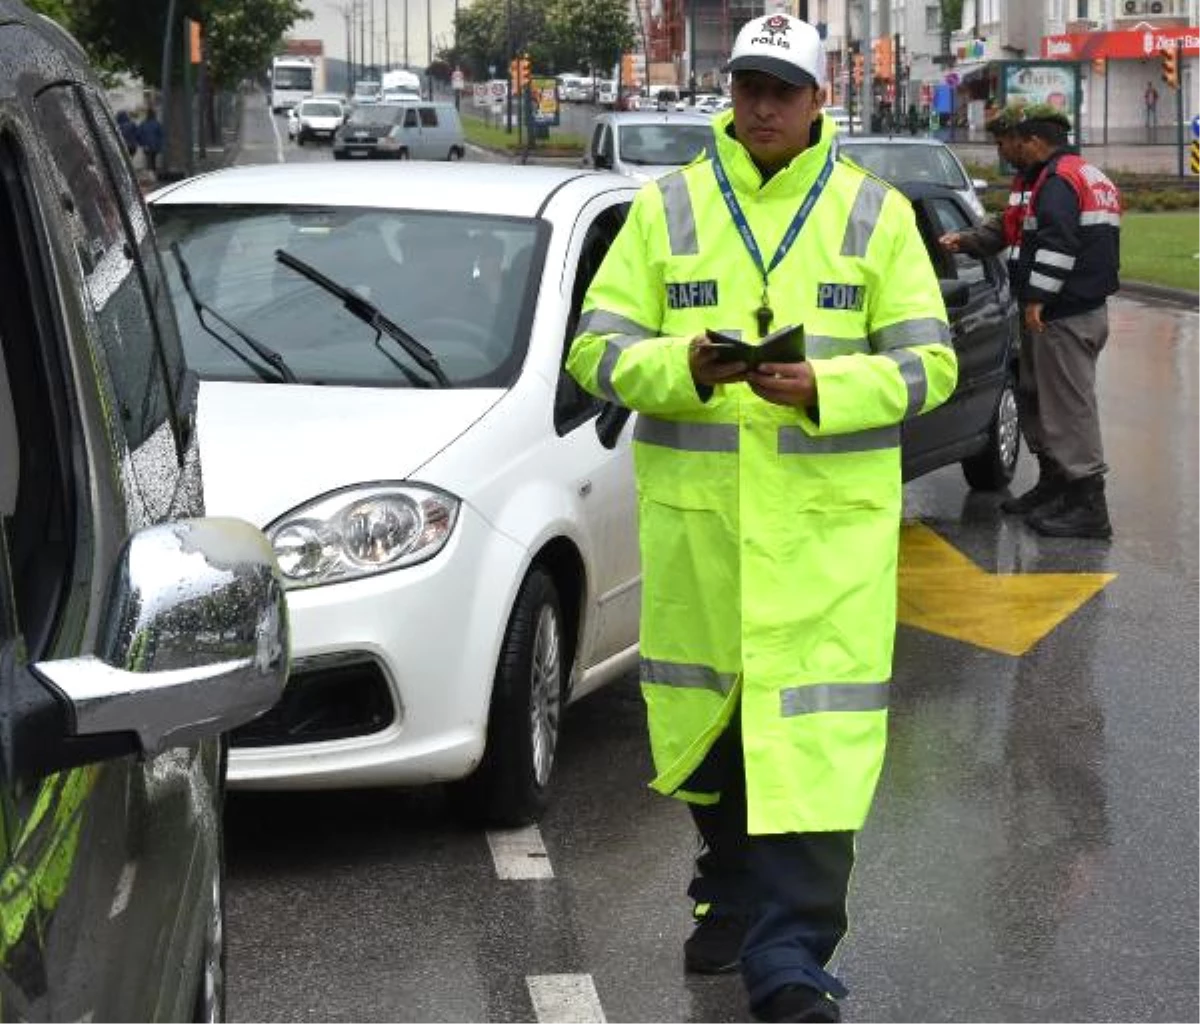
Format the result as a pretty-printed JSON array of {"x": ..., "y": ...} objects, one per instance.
[
  {"x": 410, "y": 119},
  {"x": 320, "y": 110},
  {"x": 458, "y": 283},
  {"x": 950, "y": 216},
  {"x": 572, "y": 403},
  {"x": 901, "y": 162},
  {"x": 429, "y": 118},
  {"x": 121, "y": 308},
  {"x": 670, "y": 144}
]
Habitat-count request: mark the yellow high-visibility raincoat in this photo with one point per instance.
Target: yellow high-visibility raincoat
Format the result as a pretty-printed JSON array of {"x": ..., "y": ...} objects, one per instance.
[{"x": 769, "y": 534}]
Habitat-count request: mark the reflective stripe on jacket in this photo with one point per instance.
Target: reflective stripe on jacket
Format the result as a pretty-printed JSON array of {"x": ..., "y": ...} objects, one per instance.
[
  {"x": 769, "y": 534},
  {"x": 1070, "y": 250}
]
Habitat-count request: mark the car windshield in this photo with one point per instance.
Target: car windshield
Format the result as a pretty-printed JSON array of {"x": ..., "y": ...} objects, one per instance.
[
  {"x": 900, "y": 162},
  {"x": 320, "y": 110},
  {"x": 377, "y": 115},
  {"x": 293, "y": 78},
  {"x": 663, "y": 144},
  {"x": 460, "y": 284}
]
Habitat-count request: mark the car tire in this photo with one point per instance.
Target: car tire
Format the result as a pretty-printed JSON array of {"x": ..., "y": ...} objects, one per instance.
[
  {"x": 402, "y": 154},
  {"x": 511, "y": 785},
  {"x": 993, "y": 468},
  {"x": 299, "y": 140},
  {"x": 338, "y": 156},
  {"x": 210, "y": 986},
  {"x": 455, "y": 153}
]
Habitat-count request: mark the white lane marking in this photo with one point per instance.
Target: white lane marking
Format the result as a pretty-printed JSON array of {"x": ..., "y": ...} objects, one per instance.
[
  {"x": 278, "y": 140},
  {"x": 124, "y": 890},
  {"x": 519, "y": 853},
  {"x": 565, "y": 998}
]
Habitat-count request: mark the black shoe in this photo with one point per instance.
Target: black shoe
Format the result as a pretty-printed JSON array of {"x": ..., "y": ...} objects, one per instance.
[
  {"x": 797, "y": 1003},
  {"x": 1049, "y": 486},
  {"x": 1080, "y": 511},
  {"x": 715, "y": 945}
]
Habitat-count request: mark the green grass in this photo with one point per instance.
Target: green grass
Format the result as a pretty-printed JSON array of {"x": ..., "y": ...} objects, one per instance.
[
  {"x": 1160, "y": 248},
  {"x": 481, "y": 133}
]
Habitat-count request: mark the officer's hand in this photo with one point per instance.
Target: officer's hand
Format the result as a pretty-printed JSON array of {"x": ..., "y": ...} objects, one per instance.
[
  {"x": 951, "y": 241},
  {"x": 785, "y": 383},
  {"x": 1033, "y": 318},
  {"x": 706, "y": 371}
]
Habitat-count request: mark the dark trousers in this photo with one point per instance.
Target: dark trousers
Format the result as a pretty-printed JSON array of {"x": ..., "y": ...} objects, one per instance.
[{"x": 791, "y": 885}]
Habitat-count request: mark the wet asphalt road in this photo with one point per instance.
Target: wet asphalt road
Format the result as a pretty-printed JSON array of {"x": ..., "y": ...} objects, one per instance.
[{"x": 1031, "y": 855}]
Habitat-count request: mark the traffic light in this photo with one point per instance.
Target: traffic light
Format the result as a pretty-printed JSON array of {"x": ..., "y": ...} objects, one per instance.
[
  {"x": 1170, "y": 67},
  {"x": 858, "y": 69},
  {"x": 518, "y": 71},
  {"x": 881, "y": 52}
]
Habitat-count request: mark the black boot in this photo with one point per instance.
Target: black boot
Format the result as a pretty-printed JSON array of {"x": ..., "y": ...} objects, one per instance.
[
  {"x": 1048, "y": 487},
  {"x": 1080, "y": 511}
]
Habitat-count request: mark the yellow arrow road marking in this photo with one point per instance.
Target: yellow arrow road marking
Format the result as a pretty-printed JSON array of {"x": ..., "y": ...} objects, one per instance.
[{"x": 944, "y": 592}]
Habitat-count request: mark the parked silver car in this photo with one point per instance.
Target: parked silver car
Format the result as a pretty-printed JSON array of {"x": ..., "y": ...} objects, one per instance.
[{"x": 904, "y": 159}]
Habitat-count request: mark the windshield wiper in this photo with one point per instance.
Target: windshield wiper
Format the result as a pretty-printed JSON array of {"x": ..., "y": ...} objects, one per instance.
[
  {"x": 267, "y": 354},
  {"x": 369, "y": 314}
]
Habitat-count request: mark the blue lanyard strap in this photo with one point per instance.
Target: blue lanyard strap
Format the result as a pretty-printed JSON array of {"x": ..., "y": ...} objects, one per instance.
[{"x": 739, "y": 218}]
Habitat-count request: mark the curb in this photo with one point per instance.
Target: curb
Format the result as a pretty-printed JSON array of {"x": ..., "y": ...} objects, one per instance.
[{"x": 1159, "y": 293}]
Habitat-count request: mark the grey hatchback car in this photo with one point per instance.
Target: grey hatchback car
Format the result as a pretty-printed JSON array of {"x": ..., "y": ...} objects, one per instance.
[{"x": 133, "y": 631}]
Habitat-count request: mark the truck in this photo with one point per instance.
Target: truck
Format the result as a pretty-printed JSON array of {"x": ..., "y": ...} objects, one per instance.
[
  {"x": 401, "y": 81},
  {"x": 294, "y": 79}
]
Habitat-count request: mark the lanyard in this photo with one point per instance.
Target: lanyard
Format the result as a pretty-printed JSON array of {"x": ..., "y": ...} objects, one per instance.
[{"x": 764, "y": 314}]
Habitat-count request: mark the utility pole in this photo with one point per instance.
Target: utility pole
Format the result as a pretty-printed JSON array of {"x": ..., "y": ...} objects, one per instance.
[
  {"x": 508, "y": 101},
  {"x": 362, "y": 40},
  {"x": 387, "y": 33},
  {"x": 374, "y": 63},
  {"x": 406, "y": 33},
  {"x": 868, "y": 54}
]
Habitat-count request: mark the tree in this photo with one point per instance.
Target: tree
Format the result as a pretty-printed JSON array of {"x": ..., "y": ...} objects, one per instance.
[
  {"x": 127, "y": 35},
  {"x": 241, "y": 36},
  {"x": 600, "y": 30}
]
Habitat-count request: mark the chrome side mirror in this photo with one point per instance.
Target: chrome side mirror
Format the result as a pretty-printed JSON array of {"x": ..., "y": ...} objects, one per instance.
[{"x": 193, "y": 640}]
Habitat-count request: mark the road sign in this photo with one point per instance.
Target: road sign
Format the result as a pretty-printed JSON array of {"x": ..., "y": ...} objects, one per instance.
[
  {"x": 457, "y": 81},
  {"x": 1196, "y": 127}
]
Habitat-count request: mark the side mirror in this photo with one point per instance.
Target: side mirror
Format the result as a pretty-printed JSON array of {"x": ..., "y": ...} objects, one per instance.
[
  {"x": 955, "y": 294},
  {"x": 611, "y": 422},
  {"x": 979, "y": 184},
  {"x": 602, "y": 161},
  {"x": 193, "y": 641}
]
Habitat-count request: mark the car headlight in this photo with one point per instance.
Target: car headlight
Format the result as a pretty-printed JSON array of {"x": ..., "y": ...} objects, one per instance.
[{"x": 361, "y": 532}]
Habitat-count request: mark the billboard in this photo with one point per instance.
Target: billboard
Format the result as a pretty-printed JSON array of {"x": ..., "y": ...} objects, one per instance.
[
  {"x": 544, "y": 100},
  {"x": 1053, "y": 82}
]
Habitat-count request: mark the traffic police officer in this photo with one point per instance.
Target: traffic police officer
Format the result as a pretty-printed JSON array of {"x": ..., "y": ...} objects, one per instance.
[{"x": 769, "y": 501}]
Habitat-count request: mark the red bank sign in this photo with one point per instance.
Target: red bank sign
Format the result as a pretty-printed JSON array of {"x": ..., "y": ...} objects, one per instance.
[{"x": 1140, "y": 43}]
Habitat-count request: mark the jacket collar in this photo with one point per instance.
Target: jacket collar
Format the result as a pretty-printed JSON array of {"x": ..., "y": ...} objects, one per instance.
[{"x": 797, "y": 177}]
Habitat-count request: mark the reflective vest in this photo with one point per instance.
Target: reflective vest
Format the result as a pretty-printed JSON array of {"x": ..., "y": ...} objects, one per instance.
[
  {"x": 769, "y": 535},
  {"x": 1075, "y": 268},
  {"x": 1014, "y": 220}
]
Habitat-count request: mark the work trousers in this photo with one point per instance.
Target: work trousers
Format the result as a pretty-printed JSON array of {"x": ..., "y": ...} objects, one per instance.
[
  {"x": 1064, "y": 365},
  {"x": 791, "y": 885},
  {"x": 1027, "y": 394}
]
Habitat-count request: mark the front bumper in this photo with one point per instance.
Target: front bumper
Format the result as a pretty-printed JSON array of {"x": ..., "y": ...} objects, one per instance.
[{"x": 430, "y": 634}]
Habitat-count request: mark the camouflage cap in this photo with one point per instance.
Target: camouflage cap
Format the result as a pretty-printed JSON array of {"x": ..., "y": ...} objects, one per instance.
[
  {"x": 1041, "y": 114},
  {"x": 1005, "y": 121}
]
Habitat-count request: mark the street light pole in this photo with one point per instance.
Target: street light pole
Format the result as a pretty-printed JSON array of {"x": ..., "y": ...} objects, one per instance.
[
  {"x": 387, "y": 34},
  {"x": 509, "y": 91},
  {"x": 406, "y": 33}
]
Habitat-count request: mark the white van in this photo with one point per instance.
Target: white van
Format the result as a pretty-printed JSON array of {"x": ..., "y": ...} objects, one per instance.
[{"x": 425, "y": 131}]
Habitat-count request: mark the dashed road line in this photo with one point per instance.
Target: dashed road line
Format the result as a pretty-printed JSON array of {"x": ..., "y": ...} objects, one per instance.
[
  {"x": 565, "y": 998},
  {"x": 519, "y": 853},
  {"x": 278, "y": 141}
]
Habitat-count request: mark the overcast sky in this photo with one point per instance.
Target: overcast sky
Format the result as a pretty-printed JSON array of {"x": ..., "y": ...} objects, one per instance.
[{"x": 329, "y": 24}]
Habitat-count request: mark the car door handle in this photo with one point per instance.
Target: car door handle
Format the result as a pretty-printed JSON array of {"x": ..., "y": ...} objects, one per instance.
[{"x": 585, "y": 488}]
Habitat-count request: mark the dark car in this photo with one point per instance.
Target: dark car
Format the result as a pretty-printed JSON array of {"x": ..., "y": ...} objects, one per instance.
[
  {"x": 365, "y": 126},
  {"x": 133, "y": 631},
  {"x": 978, "y": 425}
]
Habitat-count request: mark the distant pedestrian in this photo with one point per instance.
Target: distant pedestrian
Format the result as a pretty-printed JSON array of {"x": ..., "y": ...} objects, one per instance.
[
  {"x": 150, "y": 138},
  {"x": 1150, "y": 99},
  {"x": 128, "y": 128}
]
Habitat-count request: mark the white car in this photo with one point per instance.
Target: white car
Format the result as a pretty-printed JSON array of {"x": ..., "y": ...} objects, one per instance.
[
  {"x": 380, "y": 349},
  {"x": 315, "y": 120},
  {"x": 647, "y": 144}
]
